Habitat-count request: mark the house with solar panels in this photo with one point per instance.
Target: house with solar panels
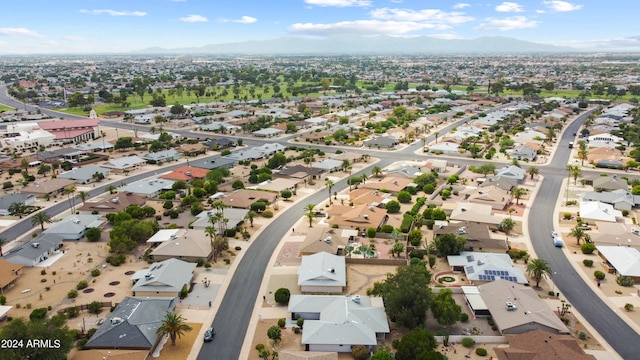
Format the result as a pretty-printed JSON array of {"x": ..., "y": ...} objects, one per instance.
[{"x": 481, "y": 267}]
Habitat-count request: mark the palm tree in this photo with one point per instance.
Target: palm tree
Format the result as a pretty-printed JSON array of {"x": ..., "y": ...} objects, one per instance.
[
  {"x": 24, "y": 164},
  {"x": 583, "y": 154},
  {"x": 250, "y": 216},
  {"x": 69, "y": 191},
  {"x": 41, "y": 218},
  {"x": 349, "y": 169},
  {"x": 82, "y": 195},
  {"x": 173, "y": 325},
  {"x": 574, "y": 172},
  {"x": 329, "y": 184},
  {"x": 17, "y": 209},
  {"x": 538, "y": 269},
  {"x": 3, "y": 241},
  {"x": 376, "y": 171},
  {"x": 310, "y": 213},
  {"x": 211, "y": 232},
  {"x": 532, "y": 170},
  {"x": 518, "y": 192},
  {"x": 578, "y": 233}
]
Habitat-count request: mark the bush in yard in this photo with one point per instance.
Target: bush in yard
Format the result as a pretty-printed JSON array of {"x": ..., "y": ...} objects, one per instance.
[
  {"x": 167, "y": 204},
  {"x": 392, "y": 207},
  {"x": 387, "y": 229},
  {"x": 296, "y": 330},
  {"x": 116, "y": 260},
  {"x": 83, "y": 284},
  {"x": 582, "y": 335},
  {"x": 360, "y": 352},
  {"x": 300, "y": 322},
  {"x": 95, "y": 307},
  {"x": 625, "y": 281},
  {"x": 599, "y": 275},
  {"x": 259, "y": 347},
  {"x": 3, "y": 299},
  {"x": 258, "y": 206},
  {"x": 415, "y": 237},
  {"x": 468, "y": 342},
  {"x": 274, "y": 333},
  {"x": 481, "y": 352},
  {"x": 464, "y": 317},
  {"x": 93, "y": 234},
  {"x": 282, "y": 296},
  {"x": 72, "y": 294},
  {"x": 72, "y": 312},
  {"x": 38, "y": 314},
  {"x": 371, "y": 233},
  {"x": 587, "y": 262},
  {"x": 567, "y": 216},
  {"x": 404, "y": 197},
  {"x": 588, "y": 248},
  {"x": 267, "y": 214},
  {"x": 282, "y": 322},
  {"x": 628, "y": 307}
]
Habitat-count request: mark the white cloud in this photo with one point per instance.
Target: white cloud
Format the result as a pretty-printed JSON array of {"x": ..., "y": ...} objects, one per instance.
[
  {"x": 445, "y": 36},
  {"x": 427, "y": 15},
  {"x": 246, "y": 20},
  {"x": 628, "y": 44},
  {"x": 509, "y": 7},
  {"x": 512, "y": 23},
  {"x": 194, "y": 19},
  {"x": 561, "y": 6},
  {"x": 339, "y": 3},
  {"x": 460, "y": 6},
  {"x": 113, "y": 12},
  {"x": 73, "y": 38},
  {"x": 541, "y": 12},
  {"x": 365, "y": 27},
  {"x": 19, "y": 32}
]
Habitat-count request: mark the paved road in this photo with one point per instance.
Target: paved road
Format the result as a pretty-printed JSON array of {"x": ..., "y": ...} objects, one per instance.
[{"x": 234, "y": 314}]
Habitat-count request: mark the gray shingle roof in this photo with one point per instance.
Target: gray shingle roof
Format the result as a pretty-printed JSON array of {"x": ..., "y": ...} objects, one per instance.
[{"x": 166, "y": 276}]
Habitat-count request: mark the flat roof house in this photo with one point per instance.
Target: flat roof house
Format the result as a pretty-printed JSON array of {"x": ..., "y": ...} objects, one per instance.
[
  {"x": 148, "y": 187},
  {"x": 73, "y": 227},
  {"x": 127, "y": 163},
  {"x": 165, "y": 278},
  {"x": 84, "y": 175},
  {"x": 322, "y": 273},
  {"x": 8, "y": 199},
  {"x": 35, "y": 251}
]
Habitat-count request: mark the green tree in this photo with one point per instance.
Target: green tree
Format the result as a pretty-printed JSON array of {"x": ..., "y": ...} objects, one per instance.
[
  {"x": 392, "y": 207},
  {"x": 445, "y": 309},
  {"x": 17, "y": 209},
  {"x": 310, "y": 213},
  {"x": 93, "y": 234},
  {"x": 250, "y": 216},
  {"x": 417, "y": 344},
  {"x": 20, "y": 329},
  {"x": 329, "y": 184},
  {"x": 397, "y": 248},
  {"x": 404, "y": 197},
  {"x": 506, "y": 225},
  {"x": 40, "y": 218},
  {"x": 532, "y": 170},
  {"x": 406, "y": 294},
  {"x": 274, "y": 333},
  {"x": 578, "y": 233},
  {"x": 286, "y": 194},
  {"x": 575, "y": 172},
  {"x": 278, "y": 159},
  {"x": 518, "y": 192},
  {"x": 174, "y": 326},
  {"x": 538, "y": 269},
  {"x": 376, "y": 171},
  {"x": 449, "y": 244}
]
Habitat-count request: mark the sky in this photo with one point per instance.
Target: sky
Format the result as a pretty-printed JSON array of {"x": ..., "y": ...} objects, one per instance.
[{"x": 117, "y": 26}]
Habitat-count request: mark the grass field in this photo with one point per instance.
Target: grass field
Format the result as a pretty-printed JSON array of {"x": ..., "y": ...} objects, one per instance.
[{"x": 4, "y": 108}]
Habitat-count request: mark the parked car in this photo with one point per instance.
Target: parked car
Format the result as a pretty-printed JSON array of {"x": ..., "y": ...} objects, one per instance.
[
  {"x": 554, "y": 234},
  {"x": 557, "y": 241},
  {"x": 209, "y": 334}
]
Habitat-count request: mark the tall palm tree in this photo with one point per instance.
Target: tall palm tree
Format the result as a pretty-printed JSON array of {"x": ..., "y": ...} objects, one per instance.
[
  {"x": 376, "y": 171},
  {"x": 250, "y": 216},
  {"x": 24, "y": 164},
  {"x": 574, "y": 172},
  {"x": 41, "y": 218},
  {"x": 3, "y": 241},
  {"x": 17, "y": 209},
  {"x": 538, "y": 269},
  {"x": 173, "y": 325},
  {"x": 69, "y": 191},
  {"x": 532, "y": 170},
  {"x": 329, "y": 184},
  {"x": 350, "y": 170},
  {"x": 211, "y": 232},
  {"x": 518, "y": 192},
  {"x": 83, "y": 195},
  {"x": 310, "y": 213},
  {"x": 578, "y": 233}
]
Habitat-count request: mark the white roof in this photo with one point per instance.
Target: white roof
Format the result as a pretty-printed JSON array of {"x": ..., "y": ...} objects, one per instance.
[
  {"x": 626, "y": 260},
  {"x": 472, "y": 294},
  {"x": 4, "y": 309},
  {"x": 599, "y": 211},
  {"x": 163, "y": 235}
]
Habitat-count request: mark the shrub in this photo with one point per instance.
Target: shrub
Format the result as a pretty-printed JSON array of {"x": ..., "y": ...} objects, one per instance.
[
  {"x": 296, "y": 330},
  {"x": 282, "y": 296},
  {"x": 72, "y": 312},
  {"x": 404, "y": 197},
  {"x": 625, "y": 281},
  {"x": 72, "y": 294},
  {"x": 300, "y": 322},
  {"x": 95, "y": 272},
  {"x": 551, "y": 293},
  {"x": 116, "y": 260},
  {"x": 588, "y": 248},
  {"x": 227, "y": 261},
  {"x": 464, "y": 317},
  {"x": 587, "y": 262},
  {"x": 259, "y": 347},
  {"x": 395, "y": 343},
  {"x": 81, "y": 343},
  {"x": 238, "y": 248},
  {"x": 468, "y": 342},
  {"x": 567, "y": 216},
  {"x": 625, "y": 213},
  {"x": 207, "y": 265},
  {"x": 582, "y": 335},
  {"x": 628, "y": 307},
  {"x": 95, "y": 307},
  {"x": 387, "y": 229},
  {"x": 3, "y": 299},
  {"x": 599, "y": 275},
  {"x": 43, "y": 272},
  {"x": 481, "y": 352},
  {"x": 371, "y": 233},
  {"x": 82, "y": 285},
  {"x": 38, "y": 314},
  {"x": 93, "y": 234},
  {"x": 392, "y": 207},
  {"x": 360, "y": 352},
  {"x": 282, "y": 322},
  {"x": 267, "y": 214}
]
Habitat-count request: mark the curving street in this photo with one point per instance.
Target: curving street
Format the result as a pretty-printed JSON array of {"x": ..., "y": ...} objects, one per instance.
[{"x": 234, "y": 314}]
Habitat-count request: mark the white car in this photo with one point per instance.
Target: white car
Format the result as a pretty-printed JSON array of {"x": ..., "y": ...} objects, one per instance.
[
  {"x": 554, "y": 234},
  {"x": 557, "y": 241}
]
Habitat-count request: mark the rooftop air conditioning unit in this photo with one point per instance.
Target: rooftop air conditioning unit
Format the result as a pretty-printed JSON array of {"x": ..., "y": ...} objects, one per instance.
[
  {"x": 327, "y": 239},
  {"x": 511, "y": 306},
  {"x": 115, "y": 200},
  {"x": 366, "y": 216},
  {"x": 35, "y": 244},
  {"x": 635, "y": 231},
  {"x": 116, "y": 320},
  {"x": 148, "y": 275},
  {"x": 371, "y": 207},
  {"x": 76, "y": 221}
]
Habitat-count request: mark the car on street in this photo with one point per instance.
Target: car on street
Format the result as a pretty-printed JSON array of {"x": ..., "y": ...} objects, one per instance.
[
  {"x": 209, "y": 334},
  {"x": 557, "y": 241},
  {"x": 554, "y": 234}
]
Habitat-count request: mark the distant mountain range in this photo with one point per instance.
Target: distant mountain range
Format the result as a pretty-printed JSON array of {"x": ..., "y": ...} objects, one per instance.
[{"x": 368, "y": 45}]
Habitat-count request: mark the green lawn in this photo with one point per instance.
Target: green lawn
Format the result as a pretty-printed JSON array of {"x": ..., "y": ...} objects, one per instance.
[{"x": 4, "y": 108}]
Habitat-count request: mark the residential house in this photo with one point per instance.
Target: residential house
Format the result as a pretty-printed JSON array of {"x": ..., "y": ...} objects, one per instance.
[
  {"x": 216, "y": 163},
  {"x": 369, "y": 197},
  {"x": 148, "y": 187},
  {"x": 604, "y": 140},
  {"x": 328, "y": 165},
  {"x": 445, "y": 147},
  {"x": 9, "y": 273},
  {"x": 476, "y": 213},
  {"x": 192, "y": 149},
  {"x": 361, "y": 216},
  {"x": 524, "y": 153},
  {"x": 392, "y": 185},
  {"x": 620, "y": 199},
  {"x": 267, "y": 132},
  {"x": 243, "y": 198},
  {"x": 35, "y": 251},
  {"x": 541, "y": 345},
  {"x": 517, "y": 309},
  {"x": 485, "y": 267},
  {"x": 598, "y": 211},
  {"x": 50, "y": 187},
  {"x": 323, "y": 239},
  {"x": 163, "y": 156},
  {"x": 493, "y": 196},
  {"x": 478, "y": 236},
  {"x": 193, "y": 246},
  {"x": 7, "y": 199},
  {"x": 186, "y": 173},
  {"x": 512, "y": 172},
  {"x": 322, "y": 273},
  {"x": 621, "y": 260},
  {"x": 235, "y": 217},
  {"x": 133, "y": 324},
  {"x": 219, "y": 143},
  {"x": 73, "y": 227},
  {"x": 381, "y": 142},
  {"x": 85, "y": 174},
  {"x": 338, "y": 323},
  {"x": 277, "y": 185},
  {"x": 617, "y": 234},
  {"x": 95, "y": 146},
  {"x": 165, "y": 278},
  {"x": 608, "y": 183},
  {"x": 299, "y": 172},
  {"x": 71, "y": 131},
  {"x": 124, "y": 164},
  {"x": 500, "y": 182},
  {"x": 113, "y": 203}
]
